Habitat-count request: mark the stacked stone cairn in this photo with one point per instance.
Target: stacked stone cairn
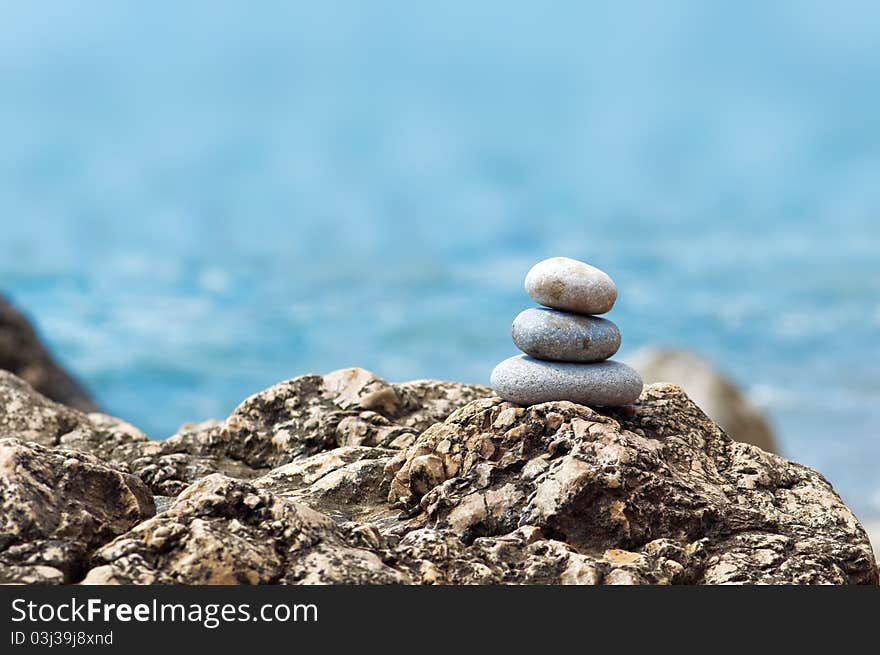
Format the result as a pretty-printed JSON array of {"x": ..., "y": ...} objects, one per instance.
[{"x": 566, "y": 345}]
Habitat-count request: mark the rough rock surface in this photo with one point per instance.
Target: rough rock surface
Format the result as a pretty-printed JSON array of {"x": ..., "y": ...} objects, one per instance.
[
  {"x": 225, "y": 531},
  {"x": 27, "y": 415},
  {"x": 56, "y": 507},
  {"x": 289, "y": 421},
  {"x": 657, "y": 475},
  {"x": 712, "y": 391},
  {"x": 301, "y": 417},
  {"x": 22, "y": 353},
  {"x": 345, "y": 483},
  {"x": 345, "y": 478}
]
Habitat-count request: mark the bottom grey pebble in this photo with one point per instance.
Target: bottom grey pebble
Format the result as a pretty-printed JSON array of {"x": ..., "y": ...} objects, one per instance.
[{"x": 525, "y": 380}]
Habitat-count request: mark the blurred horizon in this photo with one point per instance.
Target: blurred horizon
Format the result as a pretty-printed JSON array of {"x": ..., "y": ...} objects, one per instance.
[{"x": 202, "y": 199}]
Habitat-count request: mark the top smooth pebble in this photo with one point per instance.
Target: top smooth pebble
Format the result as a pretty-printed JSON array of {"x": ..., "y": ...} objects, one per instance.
[{"x": 570, "y": 285}]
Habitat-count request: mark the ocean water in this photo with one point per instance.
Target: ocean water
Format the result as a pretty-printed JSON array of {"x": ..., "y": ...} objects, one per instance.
[{"x": 198, "y": 200}]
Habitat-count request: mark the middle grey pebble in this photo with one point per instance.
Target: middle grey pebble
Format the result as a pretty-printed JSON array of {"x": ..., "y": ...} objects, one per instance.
[{"x": 563, "y": 337}]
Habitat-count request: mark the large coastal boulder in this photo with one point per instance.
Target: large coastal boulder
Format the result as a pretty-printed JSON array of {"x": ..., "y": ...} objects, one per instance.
[
  {"x": 711, "y": 390},
  {"x": 58, "y": 506},
  {"x": 654, "y": 493},
  {"x": 658, "y": 476},
  {"x": 22, "y": 353},
  {"x": 346, "y": 478}
]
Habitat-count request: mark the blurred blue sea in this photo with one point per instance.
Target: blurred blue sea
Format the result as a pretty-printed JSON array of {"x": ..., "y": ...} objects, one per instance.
[{"x": 198, "y": 200}]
